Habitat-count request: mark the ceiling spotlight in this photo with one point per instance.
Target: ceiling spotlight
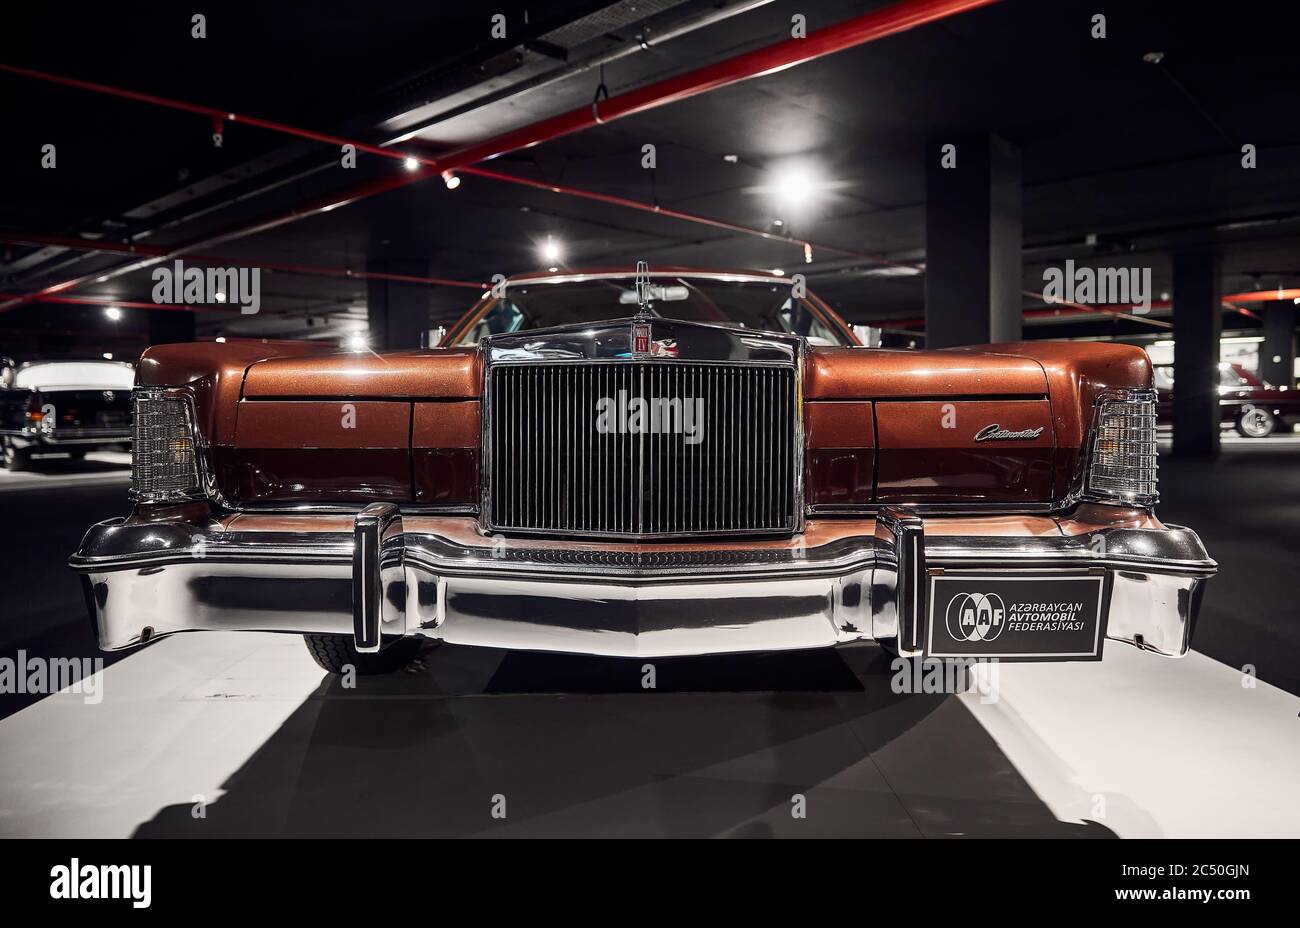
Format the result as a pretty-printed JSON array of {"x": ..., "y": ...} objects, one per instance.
[
  {"x": 731, "y": 159},
  {"x": 551, "y": 251},
  {"x": 221, "y": 339},
  {"x": 113, "y": 313},
  {"x": 451, "y": 180},
  {"x": 411, "y": 164},
  {"x": 108, "y": 355},
  {"x": 358, "y": 342},
  {"x": 794, "y": 186}
]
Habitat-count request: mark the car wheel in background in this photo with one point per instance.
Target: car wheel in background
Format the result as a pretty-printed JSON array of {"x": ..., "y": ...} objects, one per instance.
[
  {"x": 1255, "y": 422},
  {"x": 336, "y": 653},
  {"x": 15, "y": 458}
]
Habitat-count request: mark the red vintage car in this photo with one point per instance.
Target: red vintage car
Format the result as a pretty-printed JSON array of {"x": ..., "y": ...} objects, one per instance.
[
  {"x": 671, "y": 463},
  {"x": 1254, "y": 408}
]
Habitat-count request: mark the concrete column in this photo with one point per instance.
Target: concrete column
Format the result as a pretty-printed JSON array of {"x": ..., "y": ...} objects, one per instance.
[
  {"x": 972, "y": 240},
  {"x": 1197, "y": 324},
  {"x": 398, "y": 312},
  {"x": 1279, "y": 343},
  {"x": 167, "y": 326}
]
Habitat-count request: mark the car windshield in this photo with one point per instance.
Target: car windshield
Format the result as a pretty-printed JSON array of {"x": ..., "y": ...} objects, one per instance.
[{"x": 766, "y": 306}]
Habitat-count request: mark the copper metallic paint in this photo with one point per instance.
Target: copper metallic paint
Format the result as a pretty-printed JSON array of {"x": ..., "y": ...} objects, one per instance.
[
  {"x": 920, "y": 458},
  {"x": 1019, "y": 385},
  {"x": 445, "y": 441},
  {"x": 451, "y": 373},
  {"x": 447, "y": 425},
  {"x": 217, "y": 371},
  {"x": 1077, "y": 373},
  {"x": 321, "y": 424},
  {"x": 840, "y": 425},
  {"x": 877, "y": 373},
  {"x": 841, "y": 458}
]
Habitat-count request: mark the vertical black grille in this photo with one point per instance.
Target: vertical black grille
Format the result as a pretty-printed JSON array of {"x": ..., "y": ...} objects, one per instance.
[{"x": 715, "y": 448}]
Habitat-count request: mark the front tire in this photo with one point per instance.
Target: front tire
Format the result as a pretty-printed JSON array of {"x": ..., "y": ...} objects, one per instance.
[
  {"x": 338, "y": 653},
  {"x": 1256, "y": 423}
]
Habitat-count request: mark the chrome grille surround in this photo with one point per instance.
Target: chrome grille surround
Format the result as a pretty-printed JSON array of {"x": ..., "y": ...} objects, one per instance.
[{"x": 547, "y": 470}]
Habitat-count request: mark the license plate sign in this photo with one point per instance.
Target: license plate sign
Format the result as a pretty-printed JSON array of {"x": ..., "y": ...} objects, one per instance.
[{"x": 1038, "y": 617}]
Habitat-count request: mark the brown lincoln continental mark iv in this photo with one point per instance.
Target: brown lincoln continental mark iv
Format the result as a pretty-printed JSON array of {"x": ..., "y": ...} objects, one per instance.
[{"x": 688, "y": 462}]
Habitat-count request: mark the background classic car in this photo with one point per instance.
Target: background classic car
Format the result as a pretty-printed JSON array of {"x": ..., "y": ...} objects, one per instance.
[
  {"x": 965, "y": 503},
  {"x": 69, "y": 407},
  {"x": 1254, "y": 408}
]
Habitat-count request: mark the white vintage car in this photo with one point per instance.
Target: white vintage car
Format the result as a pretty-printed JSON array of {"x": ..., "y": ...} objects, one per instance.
[{"x": 63, "y": 407}]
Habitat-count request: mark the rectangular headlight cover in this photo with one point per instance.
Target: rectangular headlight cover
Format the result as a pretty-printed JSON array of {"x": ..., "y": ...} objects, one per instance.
[
  {"x": 164, "y": 466},
  {"x": 1122, "y": 467}
]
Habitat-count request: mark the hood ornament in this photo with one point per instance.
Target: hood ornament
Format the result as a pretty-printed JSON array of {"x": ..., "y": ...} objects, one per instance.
[
  {"x": 641, "y": 321},
  {"x": 643, "y": 288},
  {"x": 644, "y": 344}
]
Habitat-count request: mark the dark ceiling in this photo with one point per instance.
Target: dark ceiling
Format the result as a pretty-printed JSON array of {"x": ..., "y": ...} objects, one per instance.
[{"x": 1123, "y": 160}]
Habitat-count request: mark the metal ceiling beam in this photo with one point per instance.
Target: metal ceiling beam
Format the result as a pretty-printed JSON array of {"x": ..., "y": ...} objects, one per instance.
[{"x": 850, "y": 33}]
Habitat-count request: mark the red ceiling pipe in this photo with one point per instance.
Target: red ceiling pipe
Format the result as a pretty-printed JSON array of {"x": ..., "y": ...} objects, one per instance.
[
  {"x": 218, "y": 116},
  {"x": 1263, "y": 296},
  {"x": 852, "y": 32},
  {"x": 768, "y": 60},
  {"x": 131, "y": 304}
]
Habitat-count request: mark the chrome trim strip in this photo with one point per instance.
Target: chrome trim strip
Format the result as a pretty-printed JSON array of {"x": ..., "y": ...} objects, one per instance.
[
  {"x": 378, "y": 527},
  {"x": 938, "y": 509},
  {"x": 907, "y": 533},
  {"x": 115, "y": 545}
]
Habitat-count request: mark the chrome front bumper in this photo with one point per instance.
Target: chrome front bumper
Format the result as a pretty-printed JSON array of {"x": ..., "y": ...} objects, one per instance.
[{"x": 378, "y": 576}]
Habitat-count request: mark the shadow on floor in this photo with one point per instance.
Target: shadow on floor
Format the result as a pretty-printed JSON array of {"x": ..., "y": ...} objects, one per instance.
[
  {"x": 1246, "y": 508},
  {"x": 44, "y": 612},
  {"x": 63, "y": 465},
  {"x": 723, "y": 747}
]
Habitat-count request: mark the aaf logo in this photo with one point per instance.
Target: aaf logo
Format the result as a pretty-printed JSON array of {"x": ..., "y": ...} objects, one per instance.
[{"x": 976, "y": 616}]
